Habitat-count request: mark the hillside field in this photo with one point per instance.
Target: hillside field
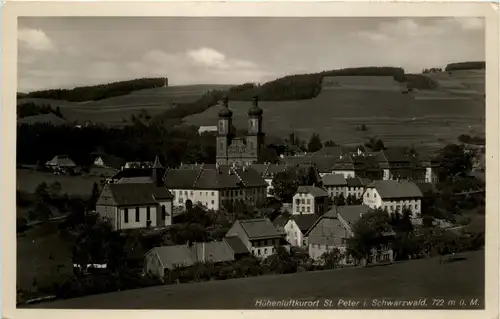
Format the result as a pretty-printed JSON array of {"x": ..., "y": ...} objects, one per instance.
[
  {"x": 117, "y": 110},
  {"x": 28, "y": 180},
  {"x": 424, "y": 278},
  {"x": 421, "y": 118}
]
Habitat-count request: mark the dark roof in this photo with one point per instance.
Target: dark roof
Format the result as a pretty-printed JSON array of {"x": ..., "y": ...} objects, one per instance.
[
  {"x": 215, "y": 251},
  {"x": 327, "y": 231},
  {"x": 352, "y": 213},
  {"x": 280, "y": 221},
  {"x": 213, "y": 177},
  {"x": 334, "y": 180},
  {"x": 112, "y": 161},
  {"x": 175, "y": 256},
  {"x": 345, "y": 162},
  {"x": 354, "y": 182},
  {"x": 396, "y": 189},
  {"x": 259, "y": 228},
  {"x": 138, "y": 193},
  {"x": 335, "y": 151},
  {"x": 133, "y": 172},
  {"x": 426, "y": 187},
  {"x": 313, "y": 190},
  {"x": 305, "y": 221},
  {"x": 236, "y": 245}
]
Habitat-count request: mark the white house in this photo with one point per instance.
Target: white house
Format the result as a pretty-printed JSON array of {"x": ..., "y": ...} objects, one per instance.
[
  {"x": 393, "y": 196},
  {"x": 215, "y": 186},
  {"x": 204, "y": 129},
  {"x": 296, "y": 228},
  {"x": 135, "y": 205},
  {"x": 259, "y": 236},
  {"x": 309, "y": 200},
  {"x": 356, "y": 187}
]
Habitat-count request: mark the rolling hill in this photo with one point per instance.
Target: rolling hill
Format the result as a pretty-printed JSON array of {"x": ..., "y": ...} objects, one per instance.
[{"x": 422, "y": 117}]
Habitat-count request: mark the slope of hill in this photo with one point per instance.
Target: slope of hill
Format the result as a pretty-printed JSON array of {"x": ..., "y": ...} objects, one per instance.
[
  {"x": 118, "y": 110},
  {"x": 408, "y": 280},
  {"x": 422, "y": 117}
]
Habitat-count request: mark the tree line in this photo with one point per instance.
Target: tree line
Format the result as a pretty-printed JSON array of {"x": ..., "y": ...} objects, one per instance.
[
  {"x": 98, "y": 92},
  {"x": 470, "y": 65}
]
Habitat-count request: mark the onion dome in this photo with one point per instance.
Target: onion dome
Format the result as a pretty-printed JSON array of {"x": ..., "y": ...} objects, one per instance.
[
  {"x": 255, "y": 110},
  {"x": 225, "y": 111}
]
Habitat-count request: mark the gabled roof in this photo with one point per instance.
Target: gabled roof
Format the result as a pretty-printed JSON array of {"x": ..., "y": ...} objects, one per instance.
[
  {"x": 313, "y": 190},
  {"x": 61, "y": 160},
  {"x": 236, "y": 245},
  {"x": 334, "y": 180},
  {"x": 137, "y": 193},
  {"x": 305, "y": 221},
  {"x": 215, "y": 251},
  {"x": 281, "y": 221},
  {"x": 133, "y": 172},
  {"x": 157, "y": 163},
  {"x": 335, "y": 151},
  {"x": 352, "y": 213},
  {"x": 213, "y": 177},
  {"x": 174, "y": 256},
  {"x": 396, "y": 189},
  {"x": 354, "y": 182},
  {"x": 345, "y": 162},
  {"x": 140, "y": 180},
  {"x": 327, "y": 231},
  {"x": 259, "y": 228}
]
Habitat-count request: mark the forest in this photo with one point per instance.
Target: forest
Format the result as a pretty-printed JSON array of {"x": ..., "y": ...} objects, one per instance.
[
  {"x": 471, "y": 65},
  {"x": 31, "y": 109},
  {"x": 97, "y": 92}
]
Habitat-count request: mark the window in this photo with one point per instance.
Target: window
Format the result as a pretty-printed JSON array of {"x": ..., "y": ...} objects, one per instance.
[
  {"x": 308, "y": 209},
  {"x": 265, "y": 251},
  {"x": 416, "y": 207},
  {"x": 186, "y": 193},
  {"x": 137, "y": 217},
  {"x": 181, "y": 200},
  {"x": 270, "y": 242},
  {"x": 303, "y": 201},
  {"x": 297, "y": 201},
  {"x": 212, "y": 193},
  {"x": 163, "y": 212},
  {"x": 258, "y": 251},
  {"x": 213, "y": 202},
  {"x": 148, "y": 213},
  {"x": 191, "y": 193},
  {"x": 126, "y": 216}
]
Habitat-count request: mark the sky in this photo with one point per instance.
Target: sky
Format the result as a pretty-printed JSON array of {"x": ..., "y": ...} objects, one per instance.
[{"x": 61, "y": 52}]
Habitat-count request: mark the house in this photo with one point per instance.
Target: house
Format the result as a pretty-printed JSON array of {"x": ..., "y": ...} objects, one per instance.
[
  {"x": 309, "y": 200},
  {"x": 205, "y": 129},
  {"x": 216, "y": 186},
  {"x": 137, "y": 205},
  {"x": 138, "y": 165},
  {"x": 356, "y": 186},
  {"x": 131, "y": 174},
  {"x": 297, "y": 227},
  {"x": 334, "y": 228},
  {"x": 280, "y": 222},
  {"x": 161, "y": 259},
  {"x": 101, "y": 159},
  {"x": 259, "y": 236},
  {"x": 344, "y": 166},
  {"x": 61, "y": 163},
  {"x": 393, "y": 196},
  {"x": 269, "y": 171},
  {"x": 335, "y": 184},
  {"x": 238, "y": 247}
]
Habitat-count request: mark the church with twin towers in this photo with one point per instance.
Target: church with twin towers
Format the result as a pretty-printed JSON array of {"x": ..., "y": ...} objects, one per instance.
[{"x": 244, "y": 149}]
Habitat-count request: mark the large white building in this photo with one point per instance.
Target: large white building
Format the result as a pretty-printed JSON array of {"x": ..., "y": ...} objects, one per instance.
[
  {"x": 215, "y": 186},
  {"x": 393, "y": 196}
]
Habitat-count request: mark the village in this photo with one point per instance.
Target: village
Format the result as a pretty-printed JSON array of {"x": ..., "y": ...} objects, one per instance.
[{"x": 336, "y": 207}]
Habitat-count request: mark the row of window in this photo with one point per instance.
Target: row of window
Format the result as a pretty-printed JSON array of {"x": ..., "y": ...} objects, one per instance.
[
  {"x": 268, "y": 242},
  {"x": 181, "y": 201},
  {"x": 138, "y": 215},
  {"x": 227, "y": 193},
  {"x": 299, "y": 201},
  {"x": 263, "y": 251},
  {"x": 301, "y": 209},
  {"x": 191, "y": 193},
  {"x": 397, "y": 208},
  {"x": 327, "y": 247}
]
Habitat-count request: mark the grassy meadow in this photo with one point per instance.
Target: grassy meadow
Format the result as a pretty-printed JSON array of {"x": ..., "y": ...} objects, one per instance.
[
  {"x": 409, "y": 279},
  {"x": 118, "y": 110},
  {"x": 421, "y": 118}
]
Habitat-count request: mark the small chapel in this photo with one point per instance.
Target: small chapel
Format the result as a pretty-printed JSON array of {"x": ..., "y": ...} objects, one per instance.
[{"x": 244, "y": 149}]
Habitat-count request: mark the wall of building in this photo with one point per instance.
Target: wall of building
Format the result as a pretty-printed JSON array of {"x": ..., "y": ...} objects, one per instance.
[
  {"x": 153, "y": 265},
  {"x": 132, "y": 222},
  {"x": 168, "y": 216},
  {"x": 294, "y": 235},
  {"x": 303, "y": 204},
  {"x": 264, "y": 248},
  {"x": 237, "y": 230},
  {"x": 394, "y": 205},
  {"x": 372, "y": 198},
  {"x": 346, "y": 173},
  {"x": 208, "y": 198},
  {"x": 336, "y": 190}
]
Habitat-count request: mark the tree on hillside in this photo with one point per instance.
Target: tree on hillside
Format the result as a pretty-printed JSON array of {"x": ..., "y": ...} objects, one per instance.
[
  {"x": 330, "y": 143},
  {"x": 375, "y": 144},
  {"x": 314, "y": 144},
  {"x": 285, "y": 185},
  {"x": 368, "y": 231},
  {"x": 454, "y": 161}
]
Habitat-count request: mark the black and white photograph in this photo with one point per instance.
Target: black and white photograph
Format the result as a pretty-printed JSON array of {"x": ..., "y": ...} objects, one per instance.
[{"x": 251, "y": 162}]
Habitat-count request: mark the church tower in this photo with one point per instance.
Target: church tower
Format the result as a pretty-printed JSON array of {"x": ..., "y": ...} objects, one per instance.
[
  {"x": 224, "y": 133},
  {"x": 157, "y": 172},
  {"x": 255, "y": 136}
]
